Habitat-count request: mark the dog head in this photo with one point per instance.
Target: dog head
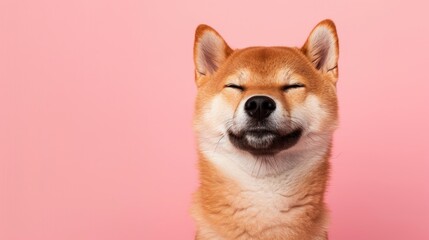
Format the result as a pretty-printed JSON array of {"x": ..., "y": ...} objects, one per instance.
[{"x": 265, "y": 101}]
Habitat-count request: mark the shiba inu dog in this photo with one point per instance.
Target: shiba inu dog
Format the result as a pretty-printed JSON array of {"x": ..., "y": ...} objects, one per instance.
[{"x": 264, "y": 122}]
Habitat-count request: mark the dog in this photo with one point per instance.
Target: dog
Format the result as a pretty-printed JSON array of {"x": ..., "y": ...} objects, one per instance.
[{"x": 264, "y": 122}]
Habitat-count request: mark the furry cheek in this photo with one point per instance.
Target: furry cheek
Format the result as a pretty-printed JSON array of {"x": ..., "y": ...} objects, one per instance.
[
  {"x": 217, "y": 115},
  {"x": 311, "y": 114}
]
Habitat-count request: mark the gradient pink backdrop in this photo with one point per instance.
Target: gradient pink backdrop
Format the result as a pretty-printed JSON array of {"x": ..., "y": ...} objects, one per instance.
[{"x": 96, "y": 102}]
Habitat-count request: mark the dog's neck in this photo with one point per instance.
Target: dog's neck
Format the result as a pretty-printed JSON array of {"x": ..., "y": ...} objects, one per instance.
[{"x": 230, "y": 193}]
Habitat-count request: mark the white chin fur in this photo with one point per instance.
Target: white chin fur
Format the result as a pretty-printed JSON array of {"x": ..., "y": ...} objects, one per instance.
[{"x": 260, "y": 142}]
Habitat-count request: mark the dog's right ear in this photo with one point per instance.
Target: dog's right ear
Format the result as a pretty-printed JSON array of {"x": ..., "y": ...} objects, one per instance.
[{"x": 210, "y": 51}]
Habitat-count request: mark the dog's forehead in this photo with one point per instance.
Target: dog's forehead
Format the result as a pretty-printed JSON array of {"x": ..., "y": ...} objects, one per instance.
[{"x": 273, "y": 64}]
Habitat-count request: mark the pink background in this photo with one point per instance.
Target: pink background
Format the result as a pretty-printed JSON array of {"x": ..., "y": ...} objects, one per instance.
[{"x": 96, "y": 102}]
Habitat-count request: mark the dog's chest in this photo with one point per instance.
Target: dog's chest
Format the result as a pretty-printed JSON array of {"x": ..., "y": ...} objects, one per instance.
[{"x": 265, "y": 204}]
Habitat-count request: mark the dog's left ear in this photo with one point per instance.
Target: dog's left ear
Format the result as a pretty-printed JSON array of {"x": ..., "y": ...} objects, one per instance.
[
  {"x": 321, "y": 48},
  {"x": 210, "y": 51}
]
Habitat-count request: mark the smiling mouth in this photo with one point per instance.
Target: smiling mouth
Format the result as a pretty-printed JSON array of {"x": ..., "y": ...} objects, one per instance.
[{"x": 265, "y": 141}]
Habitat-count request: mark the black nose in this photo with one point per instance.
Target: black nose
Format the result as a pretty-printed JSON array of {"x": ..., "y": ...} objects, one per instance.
[{"x": 259, "y": 107}]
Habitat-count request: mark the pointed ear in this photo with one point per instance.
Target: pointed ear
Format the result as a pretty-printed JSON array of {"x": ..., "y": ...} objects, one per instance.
[
  {"x": 210, "y": 50},
  {"x": 321, "y": 48}
]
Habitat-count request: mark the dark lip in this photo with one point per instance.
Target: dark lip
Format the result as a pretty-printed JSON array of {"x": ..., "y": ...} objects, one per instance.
[{"x": 279, "y": 143}]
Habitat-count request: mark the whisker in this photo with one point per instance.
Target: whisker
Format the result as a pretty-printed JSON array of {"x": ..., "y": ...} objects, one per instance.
[
  {"x": 254, "y": 165},
  {"x": 218, "y": 142},
  {"x": 260, "y": 165},
  {"x": 277, "y": 168}
]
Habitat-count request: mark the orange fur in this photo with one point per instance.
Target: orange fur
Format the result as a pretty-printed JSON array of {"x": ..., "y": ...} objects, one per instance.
[{"x": 284, "y": 205}]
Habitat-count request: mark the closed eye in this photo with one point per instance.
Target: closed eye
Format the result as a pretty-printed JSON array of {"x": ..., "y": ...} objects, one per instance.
[
  {"x": 234, "y": 86},
  {"x": 292, "y": 86}
]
